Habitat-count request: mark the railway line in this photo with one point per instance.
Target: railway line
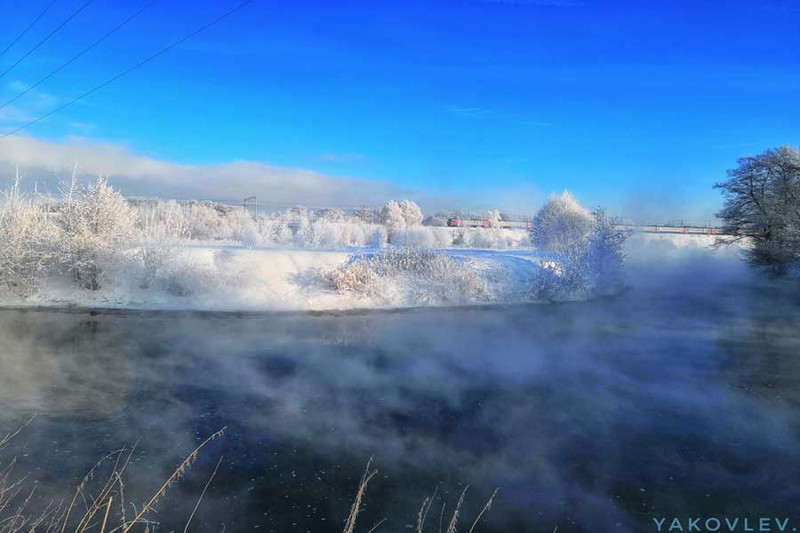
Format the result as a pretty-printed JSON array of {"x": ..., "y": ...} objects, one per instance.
[{"x": 636, "y": 228}]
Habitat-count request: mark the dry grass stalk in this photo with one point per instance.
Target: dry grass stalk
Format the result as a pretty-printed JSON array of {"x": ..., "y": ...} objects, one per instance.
[
  {"x": 200, "y": 499},
  {"x": 486, "y": 508},
  {"x": 454, "y": 520},
  {"x": 182, "y": 468},
  {"x": 105, "y": 518},
  {"x": 350, "y": 525},
  {"x": 422, "y": 516},
  {"x": 377, "y": 525},
  {"x": 98, "y": 502}
]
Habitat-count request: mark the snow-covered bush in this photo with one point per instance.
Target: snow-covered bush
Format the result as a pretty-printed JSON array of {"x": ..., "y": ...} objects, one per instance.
[
  {"x": 405, "y": 214},
  {"x": 379, "y": 237},
  {"x": 561, "y": 224},
  {"x": 28, "y": 237},
  {"x": 423, "y": 236},
  {"x": 493, "y": 239},
  {"x": 412, "y": 214},
  {"x": 590, "y": 267},
  {"x": 604, "y": 254},
  {"x": 327, "y": 234},
  {"x": 96, "y": 224},
  {"x": 392, "y": 216},
  {"x": 422, "y": 275}
]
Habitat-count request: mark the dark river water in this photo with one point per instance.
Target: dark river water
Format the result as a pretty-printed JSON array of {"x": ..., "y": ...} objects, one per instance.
[{"x": 590, "y": 416}]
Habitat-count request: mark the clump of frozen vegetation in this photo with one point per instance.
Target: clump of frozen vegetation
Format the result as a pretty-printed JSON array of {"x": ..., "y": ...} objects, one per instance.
[
  {"x": 410, "y": 276},
  {"x": 28, "y": 240},
  {"x": 586, "y": 251},
  {"x": 97, "y": 225},
  {"x": 561, "y": 224},
  {"x": 94, "y": 241}
]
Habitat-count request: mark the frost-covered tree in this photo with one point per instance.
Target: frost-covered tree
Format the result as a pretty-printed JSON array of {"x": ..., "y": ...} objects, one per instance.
[
  {"x": 604, "y": 253},
  {"x": 762, "y": 203},
  {"x": 412, "y": 214},
  {"x": 367, "y": 214},
  {"x": 330, "y": 215},
  {"x": 561, "y": 224},
  {"x": 589, "y": 261},
  {"x": 392, "y": 215},
  {"x": 97, "y": 223}
]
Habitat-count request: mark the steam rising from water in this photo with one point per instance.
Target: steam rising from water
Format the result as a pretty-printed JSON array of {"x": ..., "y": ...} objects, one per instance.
[{"x": 677, "y": 397}]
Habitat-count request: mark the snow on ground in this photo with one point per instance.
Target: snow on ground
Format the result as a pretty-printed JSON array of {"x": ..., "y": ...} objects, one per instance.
[
  {"x": 232, "y": 277},
  {"x": 228, "y": 277}
]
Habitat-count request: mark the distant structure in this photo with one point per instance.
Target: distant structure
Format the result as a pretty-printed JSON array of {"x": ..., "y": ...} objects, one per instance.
[
  {"x": 251, "y": 200},
  {"x": 456, "y": 222}
]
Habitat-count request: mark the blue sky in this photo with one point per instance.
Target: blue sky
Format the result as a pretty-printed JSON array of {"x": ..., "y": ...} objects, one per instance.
[{"x": 639, "y": 106}]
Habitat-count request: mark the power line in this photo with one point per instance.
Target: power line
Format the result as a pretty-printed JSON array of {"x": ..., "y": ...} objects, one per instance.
[
  {"x": 128, "y": 70},
  {"x": 47, "y": 38},
  {"x": 21, "y": 35},
  {"x": 79, "y": 55}
]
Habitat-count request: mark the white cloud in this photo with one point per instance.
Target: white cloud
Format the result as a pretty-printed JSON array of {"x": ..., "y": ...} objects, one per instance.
[
  {"x": 12, "y": 116},
  {"x": 47, "y": 162}
]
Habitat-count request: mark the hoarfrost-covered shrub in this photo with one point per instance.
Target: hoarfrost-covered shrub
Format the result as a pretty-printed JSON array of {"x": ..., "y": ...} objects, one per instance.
[
  {"x": 331, "y": 235},
  {"x": 423, "y": 236},
  {"x": 591, "y": 267},
  {"x": 561, "y": 224},
  {"x": 426, "y": 276},
  {"x": 392, "y": 215},
  {"x": 605, "y": 254},
  {"x": 379, "y": 237},
  {"x": 412, "y": 214},
  {"x": 96, "y": 223},
  {"x": 494, "y": 239},
  {"x": 28, "y": 237}
]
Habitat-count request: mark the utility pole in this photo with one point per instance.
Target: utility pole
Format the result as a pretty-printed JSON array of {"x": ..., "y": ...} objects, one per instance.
[{"x": 254, "y": 201}]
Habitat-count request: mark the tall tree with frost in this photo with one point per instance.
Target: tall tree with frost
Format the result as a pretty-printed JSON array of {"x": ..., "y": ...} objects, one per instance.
[
  {"x": 392, "y": 215},
  {"x": 412, "y": 214},
  {"x": 561, "y": 224},
  {"x": 762, "y": 203}
]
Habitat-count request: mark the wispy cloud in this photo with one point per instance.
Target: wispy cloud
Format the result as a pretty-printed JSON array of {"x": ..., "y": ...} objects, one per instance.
[
  {"x": 14, "y": 116},
  {"x": 35, "y": 99},
  {"x": 135, "y": 174}
]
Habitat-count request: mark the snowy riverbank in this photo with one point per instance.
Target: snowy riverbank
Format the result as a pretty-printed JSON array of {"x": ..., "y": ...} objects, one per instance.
[
  {"x": 236, "y": 278},
  {"x": 220, "y": 277}
]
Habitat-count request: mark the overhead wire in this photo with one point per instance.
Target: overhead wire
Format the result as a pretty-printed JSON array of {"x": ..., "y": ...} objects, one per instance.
[
  {"x": 77, "y": 56},
  {"x": 46, "y": 38},
  {"x": 128, "y": 70},
  {"x": 31, "y": 25}
]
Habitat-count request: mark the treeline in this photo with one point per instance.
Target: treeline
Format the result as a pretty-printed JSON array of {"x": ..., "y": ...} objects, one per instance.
[{"x": 93, "y": 238}]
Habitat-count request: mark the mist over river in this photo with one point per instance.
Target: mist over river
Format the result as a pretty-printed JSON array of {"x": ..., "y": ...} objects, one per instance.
[{"x": 676, "y": 398}]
